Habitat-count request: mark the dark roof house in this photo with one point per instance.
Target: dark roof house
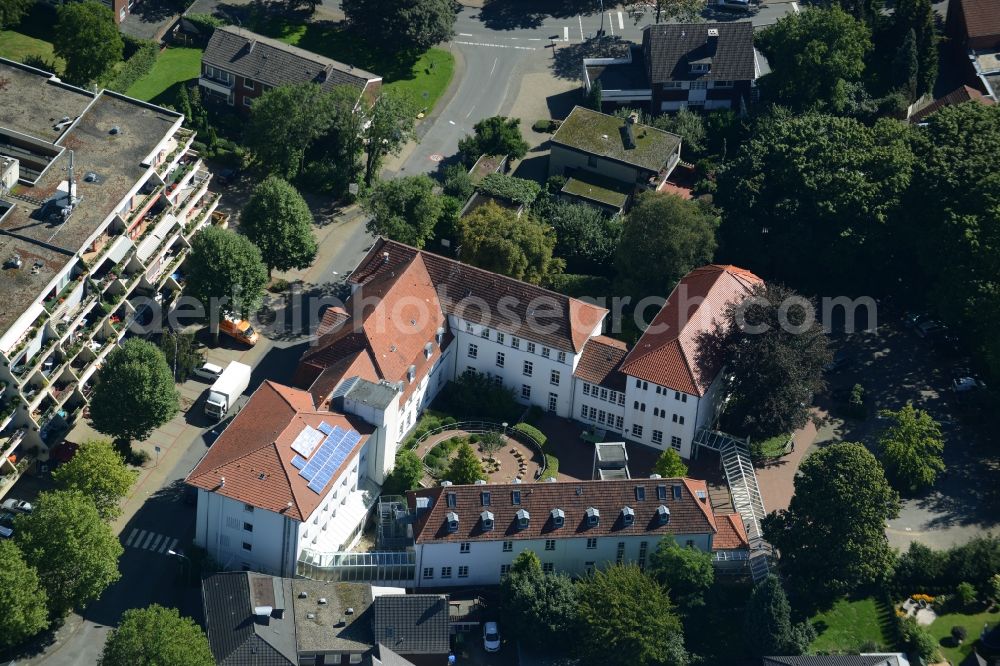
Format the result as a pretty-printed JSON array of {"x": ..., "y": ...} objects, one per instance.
[
  {"x": 412, "y": 625},
  {"x": 248, "y": 618},
  {"x": 725, "y": 50},
  {"x": 884, "y": 659}
]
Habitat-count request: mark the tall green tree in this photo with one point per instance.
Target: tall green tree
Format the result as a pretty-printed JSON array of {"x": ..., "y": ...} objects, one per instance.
[
  {"x": 497, "y": 135},
  {"x": 404, "y": 209},
  {"x": 465, "y": 467},
  {"x": 774, "y": 349},
  {"x": 685, "y": 571},
  {"x": 625, "y": 617},
  {"x": 284, "y": 123},
  {"x": 540, "y": 608},
  {"x": 670, "y": 465},
  {"x": 181, "y": 352},
  {"x": 21, "y": 596},
  {"x": 688, "y": 125},
  {"x": 12, "y": 11},
  {"x": 86, "y": 37},
  {"x": 812, "y": 54},
  {"x": 390, "y": 128},
  {"x": 663, "y": 238},
  {"x": 410, "y": 26},
  {"x": 768, "y": 623},
  {"x": 910, "y": 448},
  {"x": 405, "y": 475},
  {"x": 586, "y": 237},
  {"x": 74, "y": 552},
  {"x": 98, "y": 471},
  {"x": 811, "y": 200},
  {"x": 333, "y": 160},
  {"x": 680, "y": 11},
  {"x": 278, "y": 221},
  {"x": 135, "y": 392},
  {"x": 918, "y": 16},
  {"x": 832, "y": 537},
  {"x": 498, "y": 240},
  {"x": 906, "y": 64},
  {"x": 226, "y": 273},
  {"x": 156, "y": 635}
]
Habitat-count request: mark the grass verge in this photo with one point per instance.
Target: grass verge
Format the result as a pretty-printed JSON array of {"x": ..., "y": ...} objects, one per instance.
[
  {"x": 17, "y": 46},
  {"x": 173, "y": 67},
  {"x": 849, "y": 624},
  {"x": 973, "y": 623}
]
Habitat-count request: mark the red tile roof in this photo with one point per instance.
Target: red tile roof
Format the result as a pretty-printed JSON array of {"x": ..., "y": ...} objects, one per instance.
[
  {"x": 982, "y": 18},
  {"x": 957, "y": 96},
  {"x": 732, "y": 534},
  {"x": 512, "y": 306},
  {"x": 254, "y": 452},
  {"x": 600, "y": 361},
  {"x": 667, "y": 352},
  {"x": 689, "y": 515}
]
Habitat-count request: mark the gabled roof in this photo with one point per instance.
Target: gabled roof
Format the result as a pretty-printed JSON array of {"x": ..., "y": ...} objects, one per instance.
[
  {"x": 732, "y": 533},
  {"x": 518, "y": 308},
  {"x": 235, "y": 636},
  {"x": 688, "y": 514},
  {"x": 600, "y": 361},
  {"x": 957, "y": 96},
  {"x": 412, "y": 623},
  {"x": 670, "y": 48},
  {"x": 887, "y": 659},
  {"x": 254, "y": 452},
  {"x": 275, "y": 63},
  {"x": 982, "y": 17},
  {"x": 667, "y": 352}
]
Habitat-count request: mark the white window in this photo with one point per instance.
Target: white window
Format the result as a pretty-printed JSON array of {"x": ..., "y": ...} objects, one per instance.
[
  {"x": 469, "y": 328},
  {"x": 593, "y": 413},
  {"x": 464, "y": 547},
  {"x": 636, "y": 430},
  {"x": 675, "y": 443},
  {"x": 473, "y": 351},
  {"x": 504, "y": 569},
  {"x": 248, "y": 508},
  {"x": 619, "y": 420},
  {"x": 445, "y": 572},
  {"x": 586, "y": 388},
  {"x": 657, "y": 437},
  {"x": 561, "y": 357},
  {"x": 248, "y": 83},
  {"x": 531, "y": 347},
  {"x": 604, "y": 394},
  {"x": 528, "y": 369},
  {"x": 485, "y": 333},
  {"x": 247, "y": 546},
  {"x": 591, "y": 544},
  {"x": 508, "y": 546},
  {"x": 546, "y": 351},
  {"x": 247, "y": 101},
  {"x": 583, "y": 411},
  {"x": 356, "y": 658},
  {"x": 463, "y": 572},
  {"x": 525, "y": 391},
  {"x": 500, "y": 359},
  {"x": 553, "y": 402},
  {"x": 621, "y": 398},
  {"x": 722, "y": 84},
  {"x": 515, "y": 342},
  {"x": 548, "y": 568},
  {"x": 428, "y": 572},
  {"x": 550, "y": 544},
  {"x": 554, "y": 378},
  {"x": 248, "y": 527},
  {"x": 601, "y": 415},
  {"x": 501, "y": 337}
]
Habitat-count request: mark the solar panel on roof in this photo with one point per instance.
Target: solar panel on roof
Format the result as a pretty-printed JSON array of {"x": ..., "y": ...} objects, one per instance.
[
  {"x": 328, "y": 458},
  {"x": 299, "y": 462},
  {"x": 325, "y": 428},
  {"x": 306, "y": 441}
]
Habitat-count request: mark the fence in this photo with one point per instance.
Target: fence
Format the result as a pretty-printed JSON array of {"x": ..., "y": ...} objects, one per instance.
[{"x": 482, "y": 427}]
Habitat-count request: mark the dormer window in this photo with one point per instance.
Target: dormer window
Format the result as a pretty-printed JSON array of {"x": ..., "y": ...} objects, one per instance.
[
  {"x": 593, "y": 517},
  {"x": 428, "y": 350},
  {"x": 515, "y": 497},
  {"x": 452, "y": 500},
  {"x": 523, "y": 518},
  {"x": 700, "y": 67},
  {"x": 485, "y": 497},
  {"x": 677, "y": 492},
  {"x": 558, "y": 518},
  {"x": 628, "y": 515},
  {"x": 411, "y": 373},
  {"x": 452, "y": 519},
  {"x": 486, "y": 518},
  {"x": 663, "y": 514}
]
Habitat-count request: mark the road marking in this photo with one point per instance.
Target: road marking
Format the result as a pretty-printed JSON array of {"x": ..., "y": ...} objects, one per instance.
[
  {"x": 168, "y": 545},
  {"x": 148, "y": 540},
  {"x": 580, "y": 21},
  {"x": 611, "y": 24},
  {"x": 534, "y": 39},
  {"x": 795, "y": 7},
  {"x": 156, "y": 543},
  {"x": 468, "y": 114},
  {"x": 494, "y": 67},
  {"x": 451, "y": 122},
  {"x": 465, "y": 34},
  {"x": 621, "y": 21},
  {"x": 131, "y": 536},
  {"x": 499, "y": 46},
  {"x": 565, "y": 33}
]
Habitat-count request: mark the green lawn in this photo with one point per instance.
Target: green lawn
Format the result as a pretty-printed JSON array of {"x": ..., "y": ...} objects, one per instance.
[
  {"x": 941, "y": 630},
  {"x": 774, "y": 447},
  {"x": 849, "y": 624},
  {"x": 424, "y": 77},
  {"x": 16, "y": 46},
  {"x": 173, "y": 67}
]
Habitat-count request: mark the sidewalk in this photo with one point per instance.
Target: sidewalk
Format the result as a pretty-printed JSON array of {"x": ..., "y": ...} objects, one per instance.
[{"x": 776, "y": 478}]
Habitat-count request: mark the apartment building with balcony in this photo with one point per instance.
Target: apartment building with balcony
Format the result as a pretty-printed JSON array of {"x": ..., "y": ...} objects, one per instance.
[
  {"x": 238, "y": 66},
  {"x": 99, "y": 199}
]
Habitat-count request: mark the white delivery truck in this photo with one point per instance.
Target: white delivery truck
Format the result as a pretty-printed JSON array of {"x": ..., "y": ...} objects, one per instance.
[{"x": 227, "y": 389}]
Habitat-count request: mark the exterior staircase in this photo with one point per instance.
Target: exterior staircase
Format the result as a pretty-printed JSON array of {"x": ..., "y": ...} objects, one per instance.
[{"x": 734, "y": 455}]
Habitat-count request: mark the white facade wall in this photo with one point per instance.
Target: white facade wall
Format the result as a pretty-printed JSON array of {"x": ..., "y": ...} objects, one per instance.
[
  {"x": 662, "y": 414},
  {"x": 604, "y": 408},
  {"x": 316, "y": 528},
  {"x": 485, "y": 559}
]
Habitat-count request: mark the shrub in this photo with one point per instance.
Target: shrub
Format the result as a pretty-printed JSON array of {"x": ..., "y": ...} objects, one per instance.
[
  {"x": 280, "y": 286},
  {"x": 546, "y": 125},
  {"x": 448, "y": 421},
  {"x": 917, "y": 640},
  {"x": 502, "y": 186},
  {"x": 920, "y": 568},
  {"x": 533, "y": 432},
  {"x": 965, "y": 593},
  {"x": 856, "y": 403},
  {"x": 551, "y": 466},
  {"x": 475, "y": 396},
  {"x": 39, "y": 62},
  {"x": 959, "y": 633},
  {"x": 580, "y": 286},
  {"x": 136, "y": 67},
  {"x": 138, "y": 457}
]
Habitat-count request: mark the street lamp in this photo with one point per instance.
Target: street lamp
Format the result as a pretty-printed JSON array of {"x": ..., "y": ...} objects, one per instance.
[{"x": 183, "y": 557}]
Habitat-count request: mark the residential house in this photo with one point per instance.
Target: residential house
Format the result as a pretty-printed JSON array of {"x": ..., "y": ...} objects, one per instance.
[
  {"x": 682, "y": 65},
  {"x": 285, "y": 476},
  {"x": 100, "y": 195},
  {"x": 607, "y": 159},
  {"x": 253, "y": 619},
  {"x": 973, "y": 27},
  {"x": 924, "y": 107},
  {"x": 239, "y": 66},
  {"x": 880, "y": 659},
  {"x": 470, "y": 535}
]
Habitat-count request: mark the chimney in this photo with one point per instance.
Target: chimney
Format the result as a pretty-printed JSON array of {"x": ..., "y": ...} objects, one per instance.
[
  {"x": 630, "y": 131},
  {"x": 385, "y": 258},
  {"x": 713, "y": 36}
]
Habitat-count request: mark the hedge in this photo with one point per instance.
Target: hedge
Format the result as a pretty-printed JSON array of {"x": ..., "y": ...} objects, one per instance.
[
  {"x": 551, "y": 466},
  {"x": 533, "y": 432},
  {"x": 204, "y": 23},
  {"x": 502, "y": 186},
  {"x": 139, "y": 65}
]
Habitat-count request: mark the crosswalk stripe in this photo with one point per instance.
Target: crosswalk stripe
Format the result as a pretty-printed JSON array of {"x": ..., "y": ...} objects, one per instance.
[
  {"x": 148, "y": 540},
  {"x": 156, "y": 542},
  {"x": 131, "y": 536},
  {"x": 168, "y": 545},
  {"x": 139, "y": 538}
]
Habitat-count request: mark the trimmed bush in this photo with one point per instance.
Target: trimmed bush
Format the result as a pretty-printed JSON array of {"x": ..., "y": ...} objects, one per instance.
[
  {"x": 546, "y": 125},
  {"x": 959, "y": 633},
  {"x": 533, "y": 432},
  {"x": 502, "y": 186},
  {"x": 136, "y": 67},
  {"x": 551, "y": 466}
]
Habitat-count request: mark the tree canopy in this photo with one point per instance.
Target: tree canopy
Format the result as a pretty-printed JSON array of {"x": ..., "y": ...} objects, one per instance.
[
  {"x": 496, "y": 135},
  {"x": 689, "y": 125},
  {"x": 284, "y": 122},
  {"x": 156, "y": 635},
  {"x": 74, "y": 552},
  {"x": 681, "y": 11},
  {"x": 278, "y": 221},
  {"x": 99, "y": 472},
  {"x": 916, "y": 18},
  {"x": 910, "y": 448},
  {"x": 625, "y": 617},
  {"x": 539, "y": 608},
  {"x": 670, "y": 464},
  {"x": 768, "y": 624},
  {"x": 181, "y": 353},
  {"x": 813, "y": 53},
  {"x": 498, "y": 240},
  {"x": 404, "y": 209},
  {"x": 832, "y": 537},
  {"x": 390, "y": 128},
  {"x": 12, "y": 11},
  {"x": 685, "y": 571},
  {"x": 134, "y": 393},
  {"x": 405, "y": 475},
  {"x": 465, "y": 467},
  {"x": 406, "y": 25},
  {"x": 774, "y": 350},
  {"x": 225, "y": 272},
  {"x": 586, "y": 237},
  {"x": 21, "y": 596},
  {"x": 86, "y": 37},
  {"x": 663, "y": 238}
]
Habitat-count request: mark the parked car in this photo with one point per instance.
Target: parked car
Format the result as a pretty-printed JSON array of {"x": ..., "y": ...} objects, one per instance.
[
  {"x": 208, "y": 371},
  {"x": 911, "y": 319},
  {"x": 967, "y": 384},
  {"x": 17, "y": 505},
  {"x": 929, "y": 328},
  {"x": 7, "y": 521},
  {"x": 491, "y": 637},
  {"x": 841, "y": 359}
]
